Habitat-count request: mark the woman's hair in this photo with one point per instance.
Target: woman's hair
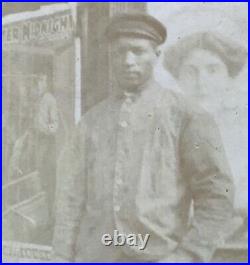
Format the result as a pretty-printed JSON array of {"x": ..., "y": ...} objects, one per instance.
[{"x": 233, "y": 55}]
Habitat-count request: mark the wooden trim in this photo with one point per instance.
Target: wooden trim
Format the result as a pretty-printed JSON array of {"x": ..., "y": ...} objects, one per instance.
[{"x": 29, "y": 49}]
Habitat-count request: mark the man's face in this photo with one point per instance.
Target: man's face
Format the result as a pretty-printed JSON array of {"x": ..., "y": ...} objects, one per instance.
[
  {"x": 133, "y": 60},
  {"x": 203, "y": 75}
]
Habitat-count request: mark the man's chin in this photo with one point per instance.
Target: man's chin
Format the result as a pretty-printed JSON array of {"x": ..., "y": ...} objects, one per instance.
[{"x": 130, "y": 85}]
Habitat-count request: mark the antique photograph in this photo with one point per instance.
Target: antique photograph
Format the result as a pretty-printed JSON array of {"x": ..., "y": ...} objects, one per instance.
[{"x": 124, "y": 132}]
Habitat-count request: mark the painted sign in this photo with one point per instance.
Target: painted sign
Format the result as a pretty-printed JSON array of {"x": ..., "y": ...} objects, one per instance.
[
  {"x": 25, "y": 252},
  {"x": 39, "y": 30}
]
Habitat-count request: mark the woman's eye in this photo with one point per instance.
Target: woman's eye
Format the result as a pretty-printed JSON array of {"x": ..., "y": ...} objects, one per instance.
[
  {"x": 212, "y": 69},
  {"x": 190, "y": 70}
]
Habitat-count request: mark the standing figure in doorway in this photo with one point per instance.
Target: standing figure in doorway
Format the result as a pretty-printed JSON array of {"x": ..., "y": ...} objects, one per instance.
[{"x": 46, "y": 123}]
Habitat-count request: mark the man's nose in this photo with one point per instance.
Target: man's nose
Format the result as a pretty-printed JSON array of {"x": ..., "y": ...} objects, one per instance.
[{"x": 129, "y": 59}]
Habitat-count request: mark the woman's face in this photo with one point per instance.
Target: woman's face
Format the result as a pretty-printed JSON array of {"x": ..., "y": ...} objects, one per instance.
[{"x": 203, "y": 75}]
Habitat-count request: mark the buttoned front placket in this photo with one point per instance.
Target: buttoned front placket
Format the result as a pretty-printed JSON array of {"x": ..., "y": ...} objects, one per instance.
[{"x": 124, "y": 132}]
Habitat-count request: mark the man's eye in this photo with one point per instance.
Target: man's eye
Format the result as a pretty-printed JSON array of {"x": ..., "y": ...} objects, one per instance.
[{"x": 137, "y": 51}]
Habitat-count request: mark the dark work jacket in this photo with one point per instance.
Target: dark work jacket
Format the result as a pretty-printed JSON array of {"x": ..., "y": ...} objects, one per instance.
[{"x": 136, "y": 163}]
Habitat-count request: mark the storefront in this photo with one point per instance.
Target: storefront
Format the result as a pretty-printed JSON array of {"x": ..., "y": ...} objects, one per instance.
[
  {"x": 60, "y": 43},
  {"x": 34, "y": 44},
  {"x": 37, "y": 44}
]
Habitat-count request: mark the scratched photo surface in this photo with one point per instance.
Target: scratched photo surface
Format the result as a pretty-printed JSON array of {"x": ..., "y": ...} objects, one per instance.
[{"x": 125, "y": 132}]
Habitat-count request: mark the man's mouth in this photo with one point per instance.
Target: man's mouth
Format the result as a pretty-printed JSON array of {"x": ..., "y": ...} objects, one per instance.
[{"x": 130, "y": 74}]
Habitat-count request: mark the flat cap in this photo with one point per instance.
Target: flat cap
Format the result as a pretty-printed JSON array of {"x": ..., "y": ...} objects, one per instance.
[{"x": 136, "y": 25}]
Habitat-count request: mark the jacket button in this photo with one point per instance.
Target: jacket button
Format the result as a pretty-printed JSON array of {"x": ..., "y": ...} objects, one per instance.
[
  {"x": 128, "y": 100},
  {"x": 119, "y": 181},
  {"x": 117, "y": 208},
  {"x": 124, "y": 124}
]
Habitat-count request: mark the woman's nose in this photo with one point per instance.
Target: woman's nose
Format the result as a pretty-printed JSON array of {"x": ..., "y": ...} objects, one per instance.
[{"x": 202, "y": 82}]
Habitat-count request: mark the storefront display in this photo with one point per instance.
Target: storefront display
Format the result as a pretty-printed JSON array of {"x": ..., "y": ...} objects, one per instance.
[{"x": 36, "y": 45}]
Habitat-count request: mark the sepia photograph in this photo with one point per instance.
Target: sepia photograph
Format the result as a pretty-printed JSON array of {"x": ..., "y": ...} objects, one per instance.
[{"x": 124, "y": 132}]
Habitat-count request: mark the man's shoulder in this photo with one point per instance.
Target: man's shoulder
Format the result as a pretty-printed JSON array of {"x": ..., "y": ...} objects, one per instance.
[
  {"x": 179, "y": 103},
  {"x": 167, "y": 97},
  {"x": 98, "y": 112},
  {"x": 101, "y": 108}
]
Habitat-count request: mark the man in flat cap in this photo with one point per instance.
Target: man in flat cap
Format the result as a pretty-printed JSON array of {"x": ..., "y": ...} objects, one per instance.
[{"x": 138, "y": 161}]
